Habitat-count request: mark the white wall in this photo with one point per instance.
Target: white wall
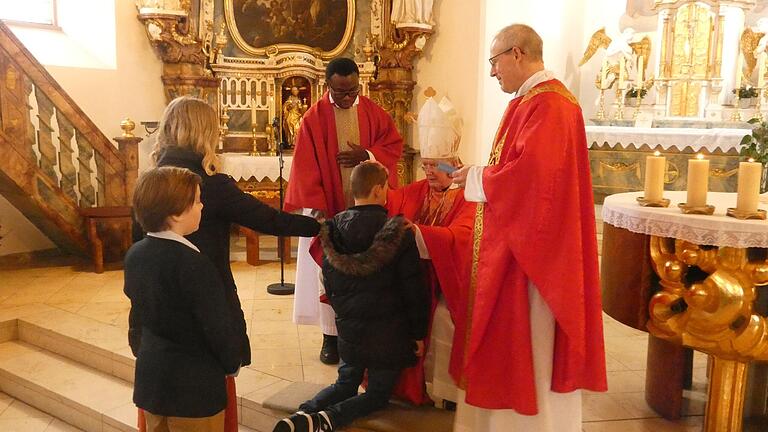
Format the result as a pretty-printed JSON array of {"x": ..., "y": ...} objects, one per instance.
[{"x": 131, "y": 87}]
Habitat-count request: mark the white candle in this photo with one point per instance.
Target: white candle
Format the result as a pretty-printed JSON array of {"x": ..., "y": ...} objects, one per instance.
[
  {"x": 253, "y": 112},
  {"x": 604, "y": 74},
  {"x": 748, "y": 191},
  {"x": 654, "y": 177},
  {"x": 737, "y": 81},
  {"x": 622, "y": 66},
  {"x": 698, "y": 181},
  {"x": 761, "y": 71},
  {"x": 639, "y": 75}
]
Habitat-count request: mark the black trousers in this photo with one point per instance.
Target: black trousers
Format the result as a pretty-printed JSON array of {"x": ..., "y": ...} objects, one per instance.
[{"x": 341, "y": 401}]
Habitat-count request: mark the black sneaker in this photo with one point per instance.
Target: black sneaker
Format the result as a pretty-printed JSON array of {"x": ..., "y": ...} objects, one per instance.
[
  {"x": 299, "y": 422},
  {"x": 322, "y": 422},
  {"x": 329, "y": 354}
]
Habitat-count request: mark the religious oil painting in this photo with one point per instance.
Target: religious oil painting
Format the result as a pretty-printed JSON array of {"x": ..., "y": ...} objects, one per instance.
[{"x": 291, "y": 25}]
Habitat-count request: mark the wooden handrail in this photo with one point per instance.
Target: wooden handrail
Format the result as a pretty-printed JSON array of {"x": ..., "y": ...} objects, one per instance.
[{"x": 40, "y": 77}]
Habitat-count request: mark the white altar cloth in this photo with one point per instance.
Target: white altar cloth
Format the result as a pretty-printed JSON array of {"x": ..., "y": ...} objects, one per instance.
[
  {"x": 241, "y": 166},
  {"x": 668, "y": 138},
  {"x": 622, "y": 211}
]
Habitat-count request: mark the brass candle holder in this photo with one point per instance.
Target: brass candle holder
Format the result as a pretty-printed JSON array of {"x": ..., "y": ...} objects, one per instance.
[
  {"x": 702, "y": 210},
  {"x": 619, "y": 115},
  {"x": 736, "y": 115},
  {"x": 758, "y": 105},
  {"x": 739, "y": 214},
  {"x": 663, "y": 202},
  {"x": 601, "y": 106},
  {"x": 254, "y": 148}
]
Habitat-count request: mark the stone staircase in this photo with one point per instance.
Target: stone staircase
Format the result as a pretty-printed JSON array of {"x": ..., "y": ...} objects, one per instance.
[{"x": 80, "y": 371}]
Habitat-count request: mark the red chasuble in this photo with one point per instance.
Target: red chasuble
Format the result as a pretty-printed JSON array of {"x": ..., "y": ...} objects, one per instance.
[
  {"x": 537, "y": 225},
  {"x": 316, "y": 179},
  {"x": 447, "y": 233}
]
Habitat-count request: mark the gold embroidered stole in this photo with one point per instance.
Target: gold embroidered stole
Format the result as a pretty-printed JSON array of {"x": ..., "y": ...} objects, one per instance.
[{"x": 347, "y": 130}]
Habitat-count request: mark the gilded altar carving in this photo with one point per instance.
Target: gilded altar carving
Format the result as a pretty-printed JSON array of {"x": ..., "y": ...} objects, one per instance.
[
  {"x": 710, "y": 311},
  {"x": 185, "y": 57}
]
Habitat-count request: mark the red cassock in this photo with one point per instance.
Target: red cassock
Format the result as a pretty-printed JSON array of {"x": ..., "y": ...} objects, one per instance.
[
  {"x": 538, "y": 224},
  {"x": 316, "y": 179},
  {"x": 448, "y": 241}
]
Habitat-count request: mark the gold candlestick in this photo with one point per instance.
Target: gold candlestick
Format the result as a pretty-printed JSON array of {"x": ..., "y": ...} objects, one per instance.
[
  {"x": 601, "y": 105},
  {"x": 758, "y": 112},
  {"x": 702, "y": 210},
  {"x": 663, "y": 202},
  {"x": 619, "y": 104},
  {"x": 738, "y": 214},
  {"x": 254, "y": 149},
  {"x": 736, "y": 115}
]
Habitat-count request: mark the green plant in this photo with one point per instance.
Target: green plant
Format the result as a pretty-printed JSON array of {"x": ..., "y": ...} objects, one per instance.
[
  {"x": 746, "y": 92},
  {"x": 755, "y": 145},
  {"x": 635, "y": 92}
]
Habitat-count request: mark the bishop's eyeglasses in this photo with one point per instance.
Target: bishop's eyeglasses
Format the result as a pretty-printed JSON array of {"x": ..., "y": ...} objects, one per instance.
[{"x": 493, "y": 60}]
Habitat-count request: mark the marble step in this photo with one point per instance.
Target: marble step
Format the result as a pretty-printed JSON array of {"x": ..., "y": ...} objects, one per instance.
[
  {"x": 78, "y": 395},
  {"x": 96, "y": 352}
]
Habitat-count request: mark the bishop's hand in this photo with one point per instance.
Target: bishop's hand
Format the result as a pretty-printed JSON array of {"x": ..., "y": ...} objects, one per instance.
[
  {"x": 460, "y": 175},
  {"x": 350, "y": 158}
]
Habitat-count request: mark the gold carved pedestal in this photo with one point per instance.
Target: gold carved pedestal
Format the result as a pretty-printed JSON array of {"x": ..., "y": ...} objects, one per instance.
[
  {"x": 707, "y": 303},
  {"x": 185, "y": 62},
  {"x": 393, "y": 88}
]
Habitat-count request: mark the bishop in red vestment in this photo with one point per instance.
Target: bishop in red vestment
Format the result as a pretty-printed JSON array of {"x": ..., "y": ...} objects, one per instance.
[
  {"x": 534, "y": 240},
  {"x": 444, "y": 220}
]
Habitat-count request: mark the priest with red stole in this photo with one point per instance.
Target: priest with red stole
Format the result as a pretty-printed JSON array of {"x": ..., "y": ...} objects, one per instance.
[
  {"x": 442, "y": 221},
  {"x": 341, "y": 130},
  {"x": 535, "y": 333}
]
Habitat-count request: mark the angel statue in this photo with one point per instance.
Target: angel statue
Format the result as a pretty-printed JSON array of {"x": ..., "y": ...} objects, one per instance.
[
  {"x": 617, "y": 47},
  {"x": 753, "y": 44}
]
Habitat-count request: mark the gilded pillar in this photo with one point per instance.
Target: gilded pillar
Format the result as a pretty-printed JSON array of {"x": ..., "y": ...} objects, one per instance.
[{"x": 185, "y": 62}]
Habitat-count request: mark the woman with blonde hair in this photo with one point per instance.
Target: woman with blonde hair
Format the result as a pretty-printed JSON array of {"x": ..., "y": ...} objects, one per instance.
[{"x": 187, "y": 138}]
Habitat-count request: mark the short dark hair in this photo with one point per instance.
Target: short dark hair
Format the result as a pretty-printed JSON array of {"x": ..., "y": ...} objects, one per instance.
[
  {"x": 365, "y": 176},
  {"x": 161, "y": 193},
  {"x": 341, "y": 66}
]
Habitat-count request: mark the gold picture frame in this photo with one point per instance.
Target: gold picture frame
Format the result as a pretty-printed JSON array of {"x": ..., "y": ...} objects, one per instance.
[{"x": 235, "y": 10}]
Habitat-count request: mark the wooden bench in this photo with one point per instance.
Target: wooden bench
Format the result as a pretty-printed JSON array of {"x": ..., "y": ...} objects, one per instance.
[{"x": 94, "y": 215}]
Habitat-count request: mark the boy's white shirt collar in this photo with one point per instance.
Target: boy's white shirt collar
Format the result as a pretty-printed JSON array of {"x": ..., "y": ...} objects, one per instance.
[
  {"x": 534, "y": 80},
  {"x": 333, "y": 102},
  {"x": 170, "y": 235}
]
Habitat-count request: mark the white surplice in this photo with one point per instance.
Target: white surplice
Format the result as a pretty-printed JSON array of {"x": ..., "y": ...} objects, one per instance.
[{"x": 558, "y": 412}]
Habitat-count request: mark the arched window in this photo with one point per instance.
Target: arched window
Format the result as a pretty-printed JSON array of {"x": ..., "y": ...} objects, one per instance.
[{"x": 37, "y": 12}]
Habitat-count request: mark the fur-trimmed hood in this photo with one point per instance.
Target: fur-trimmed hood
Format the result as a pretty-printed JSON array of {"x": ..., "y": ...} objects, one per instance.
[{"x": 385, "y": 245}]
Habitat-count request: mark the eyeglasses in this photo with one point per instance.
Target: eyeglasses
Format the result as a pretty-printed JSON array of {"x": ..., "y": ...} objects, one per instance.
[
  {"x": 493, "y": 60},
  {"x": 342, "y": 94}
]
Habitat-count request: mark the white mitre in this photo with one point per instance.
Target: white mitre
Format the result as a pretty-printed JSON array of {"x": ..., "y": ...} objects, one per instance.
[{"x": 439, "y": 129}]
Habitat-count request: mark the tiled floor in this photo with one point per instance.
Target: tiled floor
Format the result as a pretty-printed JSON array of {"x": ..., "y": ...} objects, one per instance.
[
  {"x": 16, "y": 416},
  {"x": 285, "y": 350}
]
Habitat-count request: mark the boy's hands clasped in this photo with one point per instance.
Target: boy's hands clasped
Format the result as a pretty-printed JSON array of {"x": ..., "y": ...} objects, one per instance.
[{"x": 419, "y": 351}]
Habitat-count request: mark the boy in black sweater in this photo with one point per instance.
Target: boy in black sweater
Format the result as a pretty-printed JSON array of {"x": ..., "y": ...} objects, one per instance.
[
  {"x": 181, "y": 329},
  {"x": 373, "y": 280}
]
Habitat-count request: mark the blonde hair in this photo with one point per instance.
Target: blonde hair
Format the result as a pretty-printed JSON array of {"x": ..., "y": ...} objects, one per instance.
[{"x": 192, "y": 124}]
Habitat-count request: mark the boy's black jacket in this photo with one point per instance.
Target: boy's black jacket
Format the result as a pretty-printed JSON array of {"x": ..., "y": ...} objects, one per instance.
[{"x": 374, "y": 282}]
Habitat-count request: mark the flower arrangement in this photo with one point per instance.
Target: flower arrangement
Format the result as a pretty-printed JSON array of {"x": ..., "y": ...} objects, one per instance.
[
  {"x": 746, "y": 92},
  {"x": 636, "y": 92}
]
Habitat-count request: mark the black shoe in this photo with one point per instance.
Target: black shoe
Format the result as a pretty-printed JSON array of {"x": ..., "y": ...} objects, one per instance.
[
  {"x": 322, "y": 422},
  {"x": 329, "y": 353},
  {"x": 298, "y": 422}
]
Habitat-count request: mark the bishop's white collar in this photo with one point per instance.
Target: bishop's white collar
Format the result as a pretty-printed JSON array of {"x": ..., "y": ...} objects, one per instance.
[
  {"x": 534, "y": 80},
  {"x": 170, "y": 235}
]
